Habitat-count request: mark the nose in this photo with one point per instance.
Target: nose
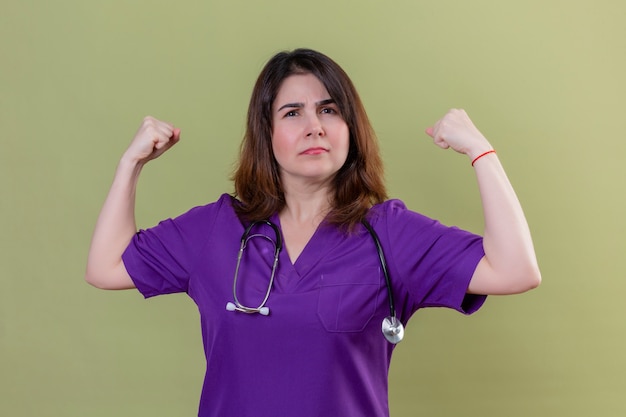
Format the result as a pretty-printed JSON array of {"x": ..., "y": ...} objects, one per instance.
[{"x": 315, "y": 128}]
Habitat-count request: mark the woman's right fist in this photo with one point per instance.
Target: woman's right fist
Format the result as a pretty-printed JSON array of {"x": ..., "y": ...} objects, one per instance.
[{"x": 153, "y": 138}]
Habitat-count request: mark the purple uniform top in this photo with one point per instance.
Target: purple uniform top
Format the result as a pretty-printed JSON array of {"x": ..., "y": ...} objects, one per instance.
[{"x": 320, "y": 351}]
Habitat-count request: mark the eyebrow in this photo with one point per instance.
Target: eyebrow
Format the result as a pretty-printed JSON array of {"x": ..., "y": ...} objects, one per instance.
[{"x": 299, "y": 105}]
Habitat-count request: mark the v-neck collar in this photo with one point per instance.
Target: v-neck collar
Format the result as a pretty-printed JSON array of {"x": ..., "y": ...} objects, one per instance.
[{"x": 323, "y": 240}]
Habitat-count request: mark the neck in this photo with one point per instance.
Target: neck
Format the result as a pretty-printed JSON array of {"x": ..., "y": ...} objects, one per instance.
[{"x": 306, "y": 206}]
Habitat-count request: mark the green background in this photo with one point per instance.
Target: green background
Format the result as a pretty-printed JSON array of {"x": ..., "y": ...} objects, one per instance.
[{"x": 544, "y": 80}]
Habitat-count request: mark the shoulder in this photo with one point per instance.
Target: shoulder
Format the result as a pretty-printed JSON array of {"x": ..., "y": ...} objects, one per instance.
[
  {"x": 395, "y": 211},
  {"x": 222, "y": 206},
  {"x": 200, "y": 219},
  {"x": 402, "y": 225},
  {"x": 387, "y": 207}
]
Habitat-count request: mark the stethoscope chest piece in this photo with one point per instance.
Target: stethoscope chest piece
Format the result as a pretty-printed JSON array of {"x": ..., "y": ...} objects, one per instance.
[{"x": 393, "y": 330}]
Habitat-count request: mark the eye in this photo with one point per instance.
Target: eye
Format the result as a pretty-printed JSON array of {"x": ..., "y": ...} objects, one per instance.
[
  {"x": 291, "y": 113},
  {"x": 328, "y": 110}
]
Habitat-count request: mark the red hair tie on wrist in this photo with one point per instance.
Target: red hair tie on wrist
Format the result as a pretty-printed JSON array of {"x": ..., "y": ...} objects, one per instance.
[{"x": 483, "y": 154}]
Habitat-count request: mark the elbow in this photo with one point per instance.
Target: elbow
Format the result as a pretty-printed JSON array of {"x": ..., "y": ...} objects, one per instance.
[
  {"x": 102, "y": 283},
  {"x": 504, "y": 281},
  {"x": 529, "y": 280},
  {"x": 533, "y": 275},
  {"x": 92, "y": 279},
  {"x": 114, "y": 278},
  {"x": 536, "y": 279},
  {"x": 98, "y": 279}
]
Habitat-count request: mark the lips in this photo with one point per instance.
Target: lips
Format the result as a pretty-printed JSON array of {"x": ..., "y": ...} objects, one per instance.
[{"x": 314, "y": 151}]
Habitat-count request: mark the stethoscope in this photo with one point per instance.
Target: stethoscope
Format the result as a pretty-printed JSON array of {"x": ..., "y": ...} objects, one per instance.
[{"x": 392, "y": 328}]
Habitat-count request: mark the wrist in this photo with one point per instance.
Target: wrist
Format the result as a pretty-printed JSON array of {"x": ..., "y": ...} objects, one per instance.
[
  {"x": 482, "y": 155},
  {"x": 130, "y": 165},
  {"x": 130, "y": 161}
]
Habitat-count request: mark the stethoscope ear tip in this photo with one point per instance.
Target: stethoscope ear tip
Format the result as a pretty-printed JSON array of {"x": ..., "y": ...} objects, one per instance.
[{"x": 230, "y": 306}]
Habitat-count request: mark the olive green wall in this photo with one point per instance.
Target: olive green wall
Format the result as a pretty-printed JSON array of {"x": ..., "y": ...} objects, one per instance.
[{"x": 543, "y": 79}]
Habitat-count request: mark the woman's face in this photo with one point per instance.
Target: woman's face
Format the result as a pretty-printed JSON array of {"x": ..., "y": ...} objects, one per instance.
[{"x": 310, "y": 139}]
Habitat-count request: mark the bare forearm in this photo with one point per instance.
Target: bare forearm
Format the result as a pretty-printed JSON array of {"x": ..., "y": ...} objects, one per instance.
[
  {"x": 114, "y": 230},
  {"x": 116, "y": 224},
  {"x": 509, "y": 265},
  {"x": 509, "y": 252}
]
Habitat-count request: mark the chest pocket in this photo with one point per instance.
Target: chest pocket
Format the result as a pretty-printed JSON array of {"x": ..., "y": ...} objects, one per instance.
[{"x": 347, "y": 302}]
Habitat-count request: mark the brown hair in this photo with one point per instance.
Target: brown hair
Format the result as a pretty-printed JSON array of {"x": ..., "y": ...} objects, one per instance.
[{"x": 359, "y": 182}]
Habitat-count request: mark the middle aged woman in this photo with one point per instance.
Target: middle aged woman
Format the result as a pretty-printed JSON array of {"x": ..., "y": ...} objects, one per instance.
[{"x": 310, "y": 180}]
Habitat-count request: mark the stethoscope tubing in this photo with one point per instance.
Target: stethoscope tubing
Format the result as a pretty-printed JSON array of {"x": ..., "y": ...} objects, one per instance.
[
  {"x": 392, "y": 328},
  {"x": 383, "y": 265},
  {"x": 278, "y": 245}
]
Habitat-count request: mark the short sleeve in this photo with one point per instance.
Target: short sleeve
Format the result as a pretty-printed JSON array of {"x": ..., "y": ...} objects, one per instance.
[
  {"x": 161, "y": 259},
  {"x": 434, "y": 262}
]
